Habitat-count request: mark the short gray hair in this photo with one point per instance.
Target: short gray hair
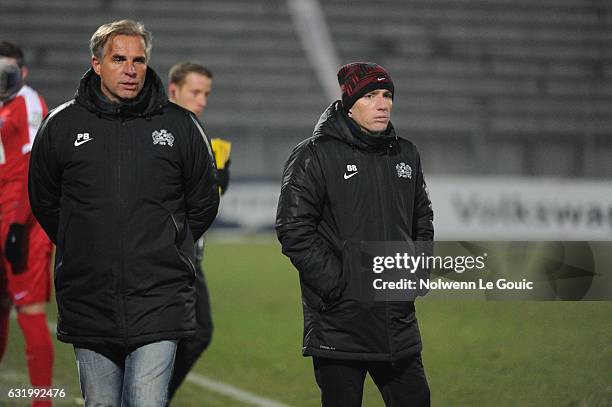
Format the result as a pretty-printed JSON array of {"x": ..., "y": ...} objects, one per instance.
[{"x": 124, "y": 27}]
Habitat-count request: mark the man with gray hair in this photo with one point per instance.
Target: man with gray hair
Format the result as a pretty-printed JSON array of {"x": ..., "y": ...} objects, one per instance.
[{"x": 123, "y": 181}]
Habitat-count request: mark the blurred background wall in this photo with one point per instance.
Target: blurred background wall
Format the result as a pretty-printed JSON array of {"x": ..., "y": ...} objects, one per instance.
[{"x": 510, "y": 88}]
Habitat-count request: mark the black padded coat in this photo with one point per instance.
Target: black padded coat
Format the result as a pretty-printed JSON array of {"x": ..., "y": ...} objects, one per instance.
[
  {"x": 123, "y": 190},
  {"x": 341, "y": 187}
]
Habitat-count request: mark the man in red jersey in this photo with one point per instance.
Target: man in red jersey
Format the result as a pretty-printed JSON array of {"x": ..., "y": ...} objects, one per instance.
[{"x": 25, "y": 250}]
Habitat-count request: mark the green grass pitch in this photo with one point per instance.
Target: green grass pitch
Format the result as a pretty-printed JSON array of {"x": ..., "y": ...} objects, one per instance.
[{"x": 475, "y": 353}]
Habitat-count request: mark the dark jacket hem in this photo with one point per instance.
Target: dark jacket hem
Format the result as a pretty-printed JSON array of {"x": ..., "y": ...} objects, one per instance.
[
  {"x": 377, "y": 357},
  {"x": 139, "y": 340}
]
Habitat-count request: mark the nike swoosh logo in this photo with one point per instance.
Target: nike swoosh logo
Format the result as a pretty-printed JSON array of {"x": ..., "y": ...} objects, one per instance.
[
  {"x": 78, "y": 143},
  {"x": 347, "y": 176},
  {"x": 380, "y": 79}
]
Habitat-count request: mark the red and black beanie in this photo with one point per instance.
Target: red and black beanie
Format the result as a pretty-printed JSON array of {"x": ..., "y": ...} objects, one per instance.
[{"x": 358, "y": 78}]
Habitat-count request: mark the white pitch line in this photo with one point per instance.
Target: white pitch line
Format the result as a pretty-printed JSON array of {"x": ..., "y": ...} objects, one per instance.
[
  {"x": 220, "y": 387},
  {"x": 231, "y": 391}
]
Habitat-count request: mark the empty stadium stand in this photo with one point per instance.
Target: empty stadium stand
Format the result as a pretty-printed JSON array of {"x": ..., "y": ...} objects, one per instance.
[
  {"x": 483, "y": 86},
  {"x": 502, "y": 86}
]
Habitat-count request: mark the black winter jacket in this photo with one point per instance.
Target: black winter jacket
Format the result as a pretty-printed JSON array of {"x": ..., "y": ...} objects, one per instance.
[
  {"x": 123, "y": 190},
  {"x": 341, "y": 187}
]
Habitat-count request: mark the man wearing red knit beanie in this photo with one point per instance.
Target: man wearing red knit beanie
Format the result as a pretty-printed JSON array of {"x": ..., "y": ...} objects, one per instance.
[{"x": 355, "y": 181}]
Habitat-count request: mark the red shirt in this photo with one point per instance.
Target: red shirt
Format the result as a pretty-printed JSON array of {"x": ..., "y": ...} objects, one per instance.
[{"x": 20, "y": 118}]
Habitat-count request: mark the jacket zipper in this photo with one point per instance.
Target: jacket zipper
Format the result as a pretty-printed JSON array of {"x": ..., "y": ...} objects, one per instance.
[
  {"x": 388, "y": 186},
  {"x": 122, "y": 239},
  {"x": 384, "y": 178}
]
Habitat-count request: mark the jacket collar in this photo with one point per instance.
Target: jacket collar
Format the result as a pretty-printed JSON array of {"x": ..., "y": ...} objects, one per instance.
[
  {"x": 334, "y": 122},
  {"x": 150, "y": 100}
]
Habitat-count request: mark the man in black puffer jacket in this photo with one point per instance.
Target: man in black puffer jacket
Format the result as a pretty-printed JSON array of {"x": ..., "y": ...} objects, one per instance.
[
  {"x": 123, "y": 181},
  {"x": 355, "y": 181}
]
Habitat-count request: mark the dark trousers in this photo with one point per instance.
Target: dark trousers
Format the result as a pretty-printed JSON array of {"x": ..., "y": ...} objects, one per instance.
[
  {"x": 189, "y": 350},
  {"x": 402, "y": 383}
]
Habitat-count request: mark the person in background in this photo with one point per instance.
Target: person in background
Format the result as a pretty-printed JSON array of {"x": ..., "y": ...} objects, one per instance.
[
  {"x": 189, "y": 86},
  {"x": 25, "y": 259},
  {"x": 124, "y": 182}
]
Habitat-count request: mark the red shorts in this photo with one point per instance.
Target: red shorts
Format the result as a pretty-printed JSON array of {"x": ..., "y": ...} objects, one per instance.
[{"x": 33, "y": 284}]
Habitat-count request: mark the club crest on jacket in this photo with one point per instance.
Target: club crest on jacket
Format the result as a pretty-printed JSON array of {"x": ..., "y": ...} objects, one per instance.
[
  {"x": 404, "y": 170},
  {"x": 163, "y": 138}
]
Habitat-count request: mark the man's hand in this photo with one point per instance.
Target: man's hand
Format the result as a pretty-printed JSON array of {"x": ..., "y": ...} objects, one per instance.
[{"x": 14, "y": 246}]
